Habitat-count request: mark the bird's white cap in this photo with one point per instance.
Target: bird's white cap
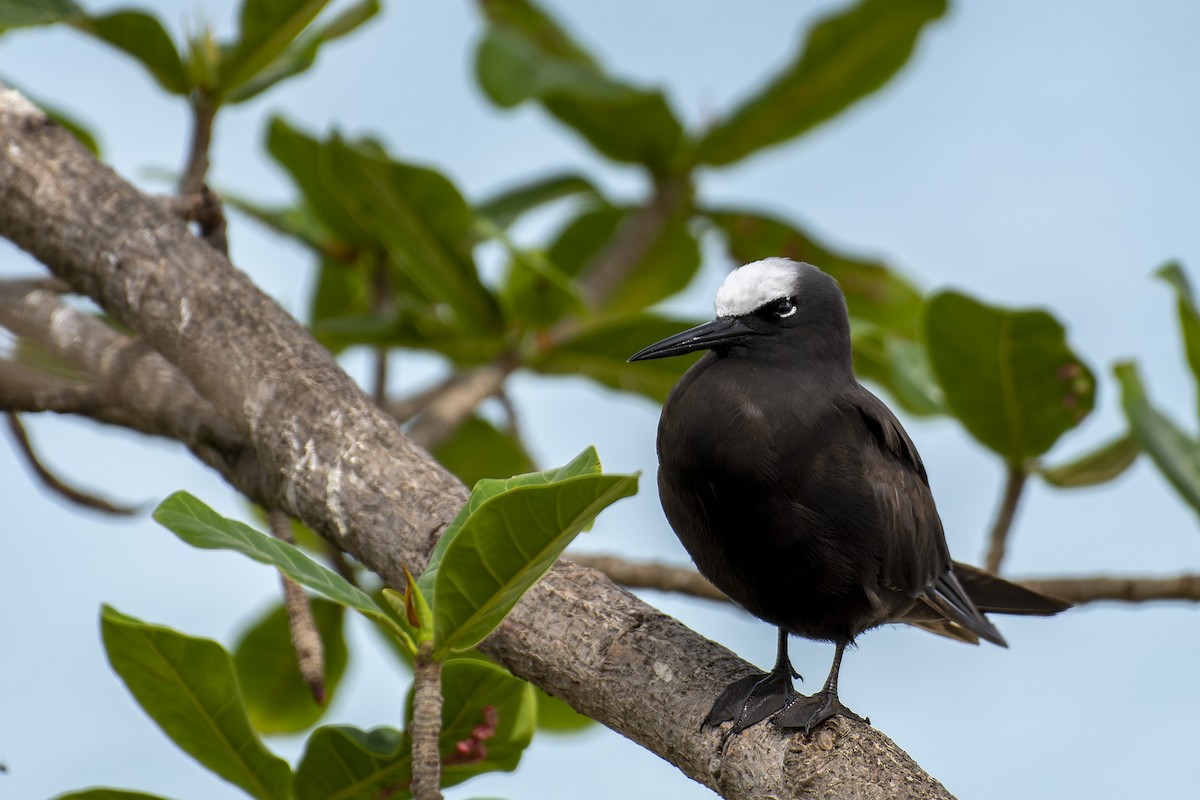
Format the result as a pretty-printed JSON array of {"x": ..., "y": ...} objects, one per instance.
[{"x": 750, "y": 287}]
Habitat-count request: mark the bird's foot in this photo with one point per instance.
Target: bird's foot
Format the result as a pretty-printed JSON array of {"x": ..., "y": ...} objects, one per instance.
[
  {"x": 809, "y": 712},
  {"x": 752, "y": 699}
]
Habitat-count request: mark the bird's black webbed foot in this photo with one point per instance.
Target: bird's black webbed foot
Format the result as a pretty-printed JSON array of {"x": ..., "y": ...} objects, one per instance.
[
  {"x": 752, "y": 699},
  {"x": 807, "y": 713}
]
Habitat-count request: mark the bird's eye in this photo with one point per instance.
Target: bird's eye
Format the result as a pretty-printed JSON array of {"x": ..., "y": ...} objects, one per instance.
[{"x": 782, "y": 309}]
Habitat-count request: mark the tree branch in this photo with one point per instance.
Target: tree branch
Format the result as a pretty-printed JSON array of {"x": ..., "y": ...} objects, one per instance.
[
  {"x": 686, "y": 580},
  {"x": 306, "y": 639},
  {"x": 331, "y": 458},
  {"x": 1014, "y": 484},
  {"x": 52, "y": 481}
]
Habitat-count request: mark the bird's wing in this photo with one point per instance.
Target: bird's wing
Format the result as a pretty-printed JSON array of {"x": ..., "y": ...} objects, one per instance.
[{"x": 914, "y": 550}]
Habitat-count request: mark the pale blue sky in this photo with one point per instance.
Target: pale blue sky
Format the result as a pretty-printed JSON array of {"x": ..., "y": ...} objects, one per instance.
[{"x": 1035, "y": 154}]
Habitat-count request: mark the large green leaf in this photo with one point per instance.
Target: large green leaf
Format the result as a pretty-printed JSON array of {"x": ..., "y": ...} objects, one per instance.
[
  {"x": 1189, "y": 318},
  {"x": 1176, "y": 454},
  {"x": 506, "y": 207},
  {"x": 873, "y": 292},
  {"x": 107, "y": 794},
  {"x": 586, "y": 463},
  {"x": 343, "y": 763},
  {"x": 189, "y": 688},
  {"x": 421, "y": 220},
  {"x": 277, "y": 698},
  {"x": 300, "y": 54},
  {"x": 478, "y": 449},
  {"x": 600, "y": 351},
  {"x": 524, "y": 55},
  {"x": 505, "y": 546},
  {"x": 1101, "y": 465},
  {"x": 266, "y": 29},
  {"x": 143, "y": 37},
  {"x": 136, "y": 33},
  {"x": 846, "y": 57},
  {"x": 1007, "y": 375},
  {"x": 198, "y": 525},
  {"x": 299, "y": 154}
]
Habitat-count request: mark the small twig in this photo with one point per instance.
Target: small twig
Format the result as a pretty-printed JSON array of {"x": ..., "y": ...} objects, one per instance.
[
  {"x": 685, "y": 580},
  {"x": 1014, "y": 484},
  {"x": 613, "y": 264},
  {"x": 204, "y": 208},
  {"x": 53, "y": 483},
  {"x": 383, "y": 302},
  {"x": 306, "y": 639},
  {"x": 426, "y": 726},
  {"x": 449, "y": 408},
  {"x": 203, "y": 114}
]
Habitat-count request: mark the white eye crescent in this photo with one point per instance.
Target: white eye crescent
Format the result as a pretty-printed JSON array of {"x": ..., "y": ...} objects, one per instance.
[{"x": 784, "y": 308}]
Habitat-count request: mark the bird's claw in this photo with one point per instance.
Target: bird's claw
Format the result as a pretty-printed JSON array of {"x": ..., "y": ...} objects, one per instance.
[
  {"x": 807, "y": 713},
  {"x": 750, "y": 700}
]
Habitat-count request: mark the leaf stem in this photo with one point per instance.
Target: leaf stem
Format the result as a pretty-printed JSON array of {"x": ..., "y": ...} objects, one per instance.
[
  {"x": 1014, "y": 485},
  {"x": 426, "y": 725}
]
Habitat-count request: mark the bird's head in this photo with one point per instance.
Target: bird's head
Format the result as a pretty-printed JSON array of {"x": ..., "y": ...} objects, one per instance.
[{"x": 775, "y": 306}]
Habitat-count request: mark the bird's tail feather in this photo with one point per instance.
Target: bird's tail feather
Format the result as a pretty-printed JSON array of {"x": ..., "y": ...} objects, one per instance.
[
  {"x": 950, "y": 599},
  {"x": 995, "y": 595}
]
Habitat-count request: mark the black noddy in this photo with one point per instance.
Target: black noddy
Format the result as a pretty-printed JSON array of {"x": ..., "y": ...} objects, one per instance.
[{"x": 798, "y": 493}]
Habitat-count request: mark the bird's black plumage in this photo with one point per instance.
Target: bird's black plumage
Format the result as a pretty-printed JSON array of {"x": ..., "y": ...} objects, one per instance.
[{"x": 798, "y": 493}]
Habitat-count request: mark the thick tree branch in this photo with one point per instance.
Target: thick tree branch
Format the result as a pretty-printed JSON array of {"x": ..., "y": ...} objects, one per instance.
[{"x": 331, "y": 458}]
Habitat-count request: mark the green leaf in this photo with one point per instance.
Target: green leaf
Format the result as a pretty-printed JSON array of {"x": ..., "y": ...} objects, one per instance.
[
  {"x": 899, "y": 365},
  {"x": 1007, "y": 375},
  {"x": 276, "y": 696},
  {"x": 422, "y": 221},
  {"x": 845, "y": 58},
  {"x": 343, "y": 763},
  {"x": 599, "y": 351},
  {"x": 142, "y": 36},
  {"x": 478, "y": 449},
  {"x": 188, "y": 687},
  {"x": 505, "y": 546},
  {"x": 1101, "y": 465},
  {"x": 302, "y": 53},
  {"x": 874, "y": 292},
  {"x": 505, "y": 208},
  {"x": 267, "y": 27},
  {"x": 524, "y": 55},
  {"x": 198, "y": 525},
  {"x": 299, "y": 154},
  {"x": 30, "y": 13},
  {"x": 107, "y": 794},
  {"x": 1176, "y": 454},
  {"x": 555, "y": 716},
  {"x": 586, "y": 463},
  {"x": 1189, "y": 317}
]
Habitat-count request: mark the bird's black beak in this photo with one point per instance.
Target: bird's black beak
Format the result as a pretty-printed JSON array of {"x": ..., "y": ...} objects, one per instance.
[{"x": 721, "y": 332}]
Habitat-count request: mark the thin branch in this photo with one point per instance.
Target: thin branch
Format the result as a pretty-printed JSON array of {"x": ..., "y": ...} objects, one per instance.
[
  {"x": 21, "y": 390},
  {"x": 426, "y": 726},
  {"x": 614, "y": 263},
  {"x": 444, "y": 413},
  {"x": 306, "y": 639},
  {"x": 203, "y": 114},
  {"x": 685, "y": 580},
  {"x": 1014, "y": 484},
  {"x": 53, "y": 483}
]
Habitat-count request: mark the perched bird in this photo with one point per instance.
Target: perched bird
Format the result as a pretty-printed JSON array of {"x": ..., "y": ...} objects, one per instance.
[{"x": 798, "y": 493}]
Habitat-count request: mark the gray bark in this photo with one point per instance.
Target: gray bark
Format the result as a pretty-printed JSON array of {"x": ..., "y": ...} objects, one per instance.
[{"x": 327, "y": 455}]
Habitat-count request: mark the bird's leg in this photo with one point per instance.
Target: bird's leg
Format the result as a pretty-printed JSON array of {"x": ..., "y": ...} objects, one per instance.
[
  {"x": 752, "y": 699},
  {"x": 809, "y": 712}
]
